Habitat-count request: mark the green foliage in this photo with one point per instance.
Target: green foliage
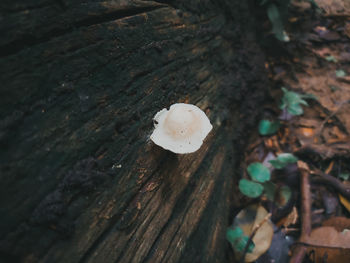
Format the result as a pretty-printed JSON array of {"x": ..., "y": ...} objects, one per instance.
[
  {"x": 277, "y": 12},
  {"x": 233, "y": 234},
  {"x": 250, "y": 188},
  {"x": 331, "y": 59},
  {"x": 258, "y": 172},
  {"x": 270, "y": 190},
  {"x": 242, "y": 242},
  {"x": 340, "y": 73},
  {"x": 273, "y": 14},
  {"x": 268, "y": 127},
  {"x": 292, "y": 101},
  {"x": 314, "y": 4},
  {"x": 283, "y": 160},
  {"x": 344, "y": 176},
  {"x": 238, "y": 239},
  {"x": 280, "y": 196}
]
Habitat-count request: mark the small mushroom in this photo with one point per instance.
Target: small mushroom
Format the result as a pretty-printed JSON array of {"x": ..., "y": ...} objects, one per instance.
[{"x": 181, "y": 129}]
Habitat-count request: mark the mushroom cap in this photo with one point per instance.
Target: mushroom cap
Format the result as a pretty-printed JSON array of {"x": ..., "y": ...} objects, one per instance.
[{"x": 181, "y": 129}]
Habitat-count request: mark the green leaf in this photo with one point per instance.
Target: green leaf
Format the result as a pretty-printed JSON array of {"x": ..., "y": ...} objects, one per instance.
[
  {"x": 269, "y": 190},
  {"x": 292, "y": 100},
  {"x": 344, "y": 176},
  {"x": 268, "y": 127},
  {"x": 233, "y": 234},
  {"x": 247, "y": 219},
  {"x": 314, "y": 4},
  {"x": 291, "y": 97},
  {"x": 283, "y": 160},
  {"x": 287, "y": 158},
  {"x": 331, "y": 59},
  {"x": 250, "y": 188},
  {"x": 277, "y": 164},
  {"x": 237, "y": 238},
  {"x": 277, "y": 23},
  {"x": 240, "y": 244},
  {"x": 295, "y": 109},
  {"x": 303, "y": 101},
  {"x": 340, "y": 73},
  {"x": 259, "y": 172}
]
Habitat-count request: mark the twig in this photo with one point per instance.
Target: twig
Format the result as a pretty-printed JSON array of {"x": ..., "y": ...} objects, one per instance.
[
  {"x": 305, "y": 199},
  {"x": 329, "y": 117},
  {"x": 300, "y": 251},
  {"x": 250, "y": 240},
  {"x": 332, "y": 181},
  {"x": 287, "y": 230},
  {"x": 345, "y": 15},
  {"x": 298, "y": 254}
]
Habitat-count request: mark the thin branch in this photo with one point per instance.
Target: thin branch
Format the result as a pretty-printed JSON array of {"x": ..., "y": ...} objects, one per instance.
[
  {"x": 306, "y": 203},
  {"x": 298, "y": 254},
  {"x": 300, "y": 251},
  {"x": 332, "y": 181}
]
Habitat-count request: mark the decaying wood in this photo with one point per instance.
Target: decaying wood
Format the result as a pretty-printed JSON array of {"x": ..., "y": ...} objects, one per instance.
[{"x": 80, "y": 83}]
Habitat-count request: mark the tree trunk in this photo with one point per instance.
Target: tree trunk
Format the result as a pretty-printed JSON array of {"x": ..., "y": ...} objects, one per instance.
[{"x": 80, "y": 84}]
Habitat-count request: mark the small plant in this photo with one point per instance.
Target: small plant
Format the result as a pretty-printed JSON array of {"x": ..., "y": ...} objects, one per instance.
[
  {"x": 344, "y": 176},
  {"x": 277, "y": 12},
  {"x": 340, "y": 73},
  {"x": 238, "y": 240},
  {"x": 292, "y": 101},
  {"x": 277, "y": 16},
  {"x": 331, "y": 59},
  {"x": 261, "y": 176}
]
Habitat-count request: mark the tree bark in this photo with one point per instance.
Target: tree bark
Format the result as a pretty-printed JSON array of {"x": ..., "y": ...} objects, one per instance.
[{"x": 80, "y": 84}]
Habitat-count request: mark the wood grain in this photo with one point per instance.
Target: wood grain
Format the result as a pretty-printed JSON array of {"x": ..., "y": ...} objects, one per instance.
[{"x": 80, "y": 84}]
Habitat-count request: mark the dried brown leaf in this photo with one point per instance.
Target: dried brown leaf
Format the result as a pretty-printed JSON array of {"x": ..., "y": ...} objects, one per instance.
[
  {"x": 290, "y": 219},
  {"x": 338, "y": 222},
  {"x": 327, "y": 242},
  {"x": 328, "y": 236},
  {"x": 332, "y": 7},
  {"x": 247, "y": 220},
  {"x": 330, "y": 167}
]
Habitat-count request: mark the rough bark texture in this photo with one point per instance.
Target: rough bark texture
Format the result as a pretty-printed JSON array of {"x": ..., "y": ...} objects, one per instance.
[{"x": 80, "y": 83}]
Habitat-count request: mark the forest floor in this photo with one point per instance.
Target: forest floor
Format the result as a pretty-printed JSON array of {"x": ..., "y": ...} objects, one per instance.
[{"x": 311, "y": 220}]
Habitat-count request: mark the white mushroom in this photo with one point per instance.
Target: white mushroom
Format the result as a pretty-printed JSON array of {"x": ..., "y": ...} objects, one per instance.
[{"x": 182, "y": 129}]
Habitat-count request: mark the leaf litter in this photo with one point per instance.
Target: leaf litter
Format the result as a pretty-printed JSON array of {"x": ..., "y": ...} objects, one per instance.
[{"x": 316, "y": 61}]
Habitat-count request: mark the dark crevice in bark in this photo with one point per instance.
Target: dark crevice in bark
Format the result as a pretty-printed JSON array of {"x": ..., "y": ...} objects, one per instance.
[{"x": 30, "y": 40}]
